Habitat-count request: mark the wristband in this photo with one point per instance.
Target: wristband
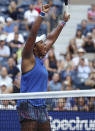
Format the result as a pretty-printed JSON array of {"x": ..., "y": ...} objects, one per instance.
[
  {"x": 42, "y": 14},
  {"x": 63, "y": 23}
]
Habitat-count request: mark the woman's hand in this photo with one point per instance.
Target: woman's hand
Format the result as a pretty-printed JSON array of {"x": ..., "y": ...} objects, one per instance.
[
  {"x": 66, "y": 17},
  {"x": 45, "y": 8}
]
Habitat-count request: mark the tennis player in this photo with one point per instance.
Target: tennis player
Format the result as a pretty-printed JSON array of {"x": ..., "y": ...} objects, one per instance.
[{"x": 33, "y": 114}]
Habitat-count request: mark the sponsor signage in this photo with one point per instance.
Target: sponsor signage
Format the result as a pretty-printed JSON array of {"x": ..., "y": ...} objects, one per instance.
[
  {"x": 72, "y": 121},
  {"x": 60, "y": 121}
]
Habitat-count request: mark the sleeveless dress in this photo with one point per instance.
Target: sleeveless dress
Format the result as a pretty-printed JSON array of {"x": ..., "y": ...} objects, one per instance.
[{"x": 36, "y": 80}]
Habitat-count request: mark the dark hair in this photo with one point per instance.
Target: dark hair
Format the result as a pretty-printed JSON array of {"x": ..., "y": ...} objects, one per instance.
[
  {"x": 54, "y": 58},
  {"x": 77, "y": 32}
]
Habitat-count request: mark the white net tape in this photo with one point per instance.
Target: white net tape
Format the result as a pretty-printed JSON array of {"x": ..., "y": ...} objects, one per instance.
[{"x": 57, "y": 94}]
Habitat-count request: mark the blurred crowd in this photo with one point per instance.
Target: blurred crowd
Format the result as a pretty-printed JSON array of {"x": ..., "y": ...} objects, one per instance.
[
  {"x": 72, "y": 104},
  {"x": 15, "y": 23},
  {"x": 74, "y": 72}
]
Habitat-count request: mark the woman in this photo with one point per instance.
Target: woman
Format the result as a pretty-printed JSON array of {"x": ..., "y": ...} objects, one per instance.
[
  {"x": 89, "y": 45},
  {"x": 67, "y": 61},
  {"x": 12, "y": 10},
  {"x": 79, "y": 40},
  {"x": 72, "y": 48},
  {"x": 33, "y": 113},
  {"x": 51, "y": 63}
]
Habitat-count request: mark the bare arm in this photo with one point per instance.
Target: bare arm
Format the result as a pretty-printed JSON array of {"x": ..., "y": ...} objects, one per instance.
[
  {"x": 28, "y": 49},
  {"x": 52, "y": 37},
  {"x": 5, "y": 56}
]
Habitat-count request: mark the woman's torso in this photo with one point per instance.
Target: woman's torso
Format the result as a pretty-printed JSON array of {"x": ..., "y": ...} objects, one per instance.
[{"x": 35, "y": 80}]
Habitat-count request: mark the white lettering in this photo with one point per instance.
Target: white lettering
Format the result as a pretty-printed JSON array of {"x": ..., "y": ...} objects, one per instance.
[
  {"x": 56, "y": 124},
  {"x": 72, "y": 124},
  {"x": 77, "y": 123},
  {"x": 92, "y": 124},
  {"x": 64, "y": 125}
]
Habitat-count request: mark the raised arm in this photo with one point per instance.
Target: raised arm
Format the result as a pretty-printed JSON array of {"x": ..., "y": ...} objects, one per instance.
[
  {"x": 52, "y": 37},
  {"x": 28, "y": 49}
]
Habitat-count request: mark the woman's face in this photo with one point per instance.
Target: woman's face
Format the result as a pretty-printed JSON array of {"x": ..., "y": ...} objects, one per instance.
[
  {"x": 13, "y": 4},
  {"x": 79, "y": 33},
  {"x": 68, "y": 57},
  {"x": 51, "y": 53},
  {"x": 40, "y": 49}
]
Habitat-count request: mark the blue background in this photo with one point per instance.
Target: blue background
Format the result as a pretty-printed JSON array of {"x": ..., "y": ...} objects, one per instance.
[{"x": 9, "y": 118}]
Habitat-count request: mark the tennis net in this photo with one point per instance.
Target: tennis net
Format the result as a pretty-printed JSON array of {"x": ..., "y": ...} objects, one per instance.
[{"x": 68, "y": 110}]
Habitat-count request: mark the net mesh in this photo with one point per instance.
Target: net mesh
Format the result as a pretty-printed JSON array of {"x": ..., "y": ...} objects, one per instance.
[{"x": 67, "y": 110}]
